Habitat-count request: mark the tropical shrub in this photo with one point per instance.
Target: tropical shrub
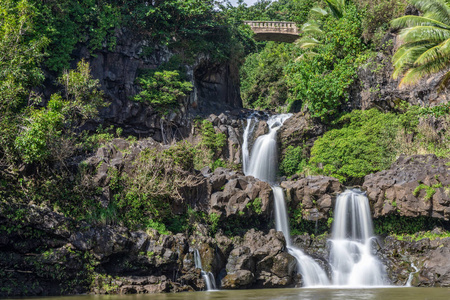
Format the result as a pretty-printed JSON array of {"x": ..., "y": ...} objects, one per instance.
[
  {"x": 163, "y": 90},
  {"x": 362, "y": 146}
]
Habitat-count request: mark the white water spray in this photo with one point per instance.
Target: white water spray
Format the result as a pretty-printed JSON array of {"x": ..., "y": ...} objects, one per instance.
[
  {"x": 263, "y": 164},
  {"x": 351, "y": 257},
  {"x": 207, "y": 276}
]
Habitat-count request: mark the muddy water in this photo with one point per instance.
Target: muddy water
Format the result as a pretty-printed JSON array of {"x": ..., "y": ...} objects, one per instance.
[{"x": 285, "y": 294}]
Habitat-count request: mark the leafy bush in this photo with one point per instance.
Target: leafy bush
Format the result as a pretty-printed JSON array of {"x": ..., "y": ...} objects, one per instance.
[
  {"x": 163, "y": 90},
  {"x": 363, "y": 145},
  {"x": 263, "y": 82},
  {"x": 321, "y": 79},
  {"x": 294, "y": 161}
]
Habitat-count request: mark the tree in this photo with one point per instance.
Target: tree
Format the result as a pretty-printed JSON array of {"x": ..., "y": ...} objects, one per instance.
[{"x": 426, "y": 42}]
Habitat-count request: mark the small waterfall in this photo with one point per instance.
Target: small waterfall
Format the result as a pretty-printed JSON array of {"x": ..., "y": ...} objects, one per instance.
[
  {"x": 351, "y": 257},
  {"x": 411, "y": 276},
  {"x": 207, "y": 276},
  {"x": 251, "y": 123},
  {"x": 312, "y": 273},
  {"x": 263, "y": 164}
]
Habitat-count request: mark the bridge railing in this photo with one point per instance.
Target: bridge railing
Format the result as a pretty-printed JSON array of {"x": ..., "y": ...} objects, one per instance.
[{"x": 271, "y": 24}]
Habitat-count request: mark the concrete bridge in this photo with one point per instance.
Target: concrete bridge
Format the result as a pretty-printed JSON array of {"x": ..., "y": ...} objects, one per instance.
[{"x": 274, "y": 31}]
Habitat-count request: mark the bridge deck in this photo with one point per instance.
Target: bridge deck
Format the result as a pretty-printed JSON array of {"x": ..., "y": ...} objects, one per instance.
[{"x": 274, "y": 31}]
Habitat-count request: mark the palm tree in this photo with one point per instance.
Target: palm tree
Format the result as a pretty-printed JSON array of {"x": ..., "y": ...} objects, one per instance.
[{"x": 426, "y": 42}]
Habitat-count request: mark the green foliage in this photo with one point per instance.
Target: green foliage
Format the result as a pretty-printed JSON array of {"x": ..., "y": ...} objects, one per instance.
[
  {"x": 255, "y": 205},
  {"x": 394, "y": 224},
  {"x": 214, "y": 221},
  {"x": 423, "y": 235},
  {"x": 294, "y": 161},
  {"x": 430, "y": 190},
  {"x": 163, "y": 90},
  {"x": 41, "y": 136},
  {"x": 426, "y": 40},
  {"x": 377, "y": 15},
  {"x": 210, "y": 147},
  {"x": 263, "y": 82},
  {"x": 321, "y": 80},
  {"x": 362, "y": 146},
  {"x": 41, "y": 132},
  {"x": 66, "y": 23}
]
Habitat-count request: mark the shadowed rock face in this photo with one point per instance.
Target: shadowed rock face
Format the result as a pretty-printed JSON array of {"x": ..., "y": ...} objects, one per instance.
[
  {"x": 414, "y": 186},
  {"x": 216, "y": 88}
]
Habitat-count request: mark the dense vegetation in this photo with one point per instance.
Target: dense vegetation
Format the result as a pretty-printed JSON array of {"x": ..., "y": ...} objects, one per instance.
[{"x": 41, "y": 138}]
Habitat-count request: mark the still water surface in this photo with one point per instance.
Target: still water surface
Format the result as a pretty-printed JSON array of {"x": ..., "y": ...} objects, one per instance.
[{"x": 285, "y": 294}]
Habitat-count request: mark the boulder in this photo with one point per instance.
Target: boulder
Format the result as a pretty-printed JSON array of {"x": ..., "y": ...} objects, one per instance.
[
  {"x": 316, "y": 195},
  {"x": 260, "y": 261}
]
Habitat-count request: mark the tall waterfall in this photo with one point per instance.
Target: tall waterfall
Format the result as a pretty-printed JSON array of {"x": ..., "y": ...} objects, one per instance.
[
  {"x": 263, "y": 164},
  {"x": 207, "y": 276},
  {"x": 351, "y": 257}
]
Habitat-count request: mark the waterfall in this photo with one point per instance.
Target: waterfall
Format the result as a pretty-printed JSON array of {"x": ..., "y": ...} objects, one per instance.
[
  {"x": 312, "y": 273},
  {"x": 351, "y": 257},
  {"x": 263, "y": 164},
  {"x": 251, "y": 122},
  {"x": 207, "y": 276}
]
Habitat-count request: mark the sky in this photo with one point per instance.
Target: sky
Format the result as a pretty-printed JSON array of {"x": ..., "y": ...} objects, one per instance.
[{"x": 249, "y": 2}]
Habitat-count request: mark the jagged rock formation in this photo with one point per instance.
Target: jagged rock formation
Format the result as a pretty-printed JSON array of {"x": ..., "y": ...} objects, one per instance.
[
  {"x": 414, "y": 186},
  {"x": 316, "y": 195}
]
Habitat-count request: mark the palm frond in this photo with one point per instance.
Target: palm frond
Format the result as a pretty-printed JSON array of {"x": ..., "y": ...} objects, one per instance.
[
  {"x": 406, "y": 56},
  {"x": 337, "y": 7},
  {"x": 413, "y": 75},
  {"x": 430, "y": 55},
  {"x": 312, "y": 27},
  {"x": 411, "y": 21},
  {"x": 420, "y": 33},
  {"x": 438, "y": 9},
  {"x": 306, "y": 56},
  {"x": 319, "y": 11},
  {"x": 308, "y": 42}
]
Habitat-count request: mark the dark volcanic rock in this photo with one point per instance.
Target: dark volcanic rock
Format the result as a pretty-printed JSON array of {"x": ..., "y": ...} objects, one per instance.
[
  {"x": 260, "y": 261},
  {"x": 300, "y": 129},
  {"x": 430, "y": 257},
  {"x": 316, "y": 195},
  {"x": 375, "y": 86},
  {"x": 414, "y": 186},
  {"x": 234, "y": 194}
]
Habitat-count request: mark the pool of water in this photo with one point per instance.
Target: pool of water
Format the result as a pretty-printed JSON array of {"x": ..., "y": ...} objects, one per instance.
[{"x": 284, "y": 294}]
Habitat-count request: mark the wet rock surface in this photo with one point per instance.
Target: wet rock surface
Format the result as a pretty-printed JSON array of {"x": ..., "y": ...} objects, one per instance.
[
  {"x": 414, "y": 186},
  {"x": 431, "y": 257}
]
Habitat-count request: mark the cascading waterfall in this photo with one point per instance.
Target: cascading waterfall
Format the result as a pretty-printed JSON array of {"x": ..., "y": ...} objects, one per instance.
[
  {"x": 263, "y": 165},
  {"x": 351, "y": 258},
  {"x": 207, "y": 276},
  {"x": 251, "y": 122},
  {"x": 312, "y": 273}
]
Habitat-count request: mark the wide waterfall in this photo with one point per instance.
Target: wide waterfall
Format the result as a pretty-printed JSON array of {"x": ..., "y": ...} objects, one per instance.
[
  {"x": 207, "y": 276},
  {"x": 263, "y": 164},
  {"x": 351, "y": 257}
]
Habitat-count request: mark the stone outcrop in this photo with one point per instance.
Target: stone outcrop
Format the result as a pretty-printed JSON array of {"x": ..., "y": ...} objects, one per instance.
[
  {"x": 315, "y": 195},
  {"x": 414, "y": 186},
  {"x": 45, "y": 253},
  {"x": 375, "y": 87},
  {"x": 234, "y": 194},
  {"x": 260, "y": 261},
  {"x": 431, "y": 257},
  {"x": 299, "y": 130}
]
